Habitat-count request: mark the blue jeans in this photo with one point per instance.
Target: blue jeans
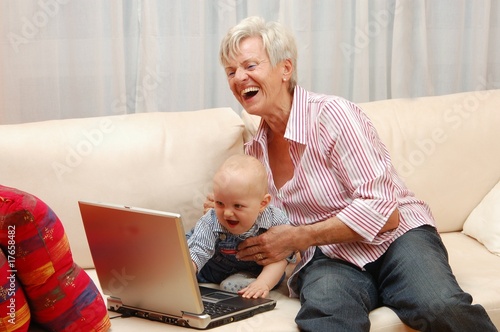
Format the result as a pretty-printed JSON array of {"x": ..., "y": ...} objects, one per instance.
[{"x": 413, "y": 278}]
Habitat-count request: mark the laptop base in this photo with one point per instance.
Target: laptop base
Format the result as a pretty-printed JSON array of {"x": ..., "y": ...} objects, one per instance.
[
  {"x": 202, "y": 321},
  {"x": 116, "y": 305}
]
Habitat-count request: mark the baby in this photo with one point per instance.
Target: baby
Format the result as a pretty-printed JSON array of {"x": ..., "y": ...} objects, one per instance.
[{"x": 242, "y": 209}]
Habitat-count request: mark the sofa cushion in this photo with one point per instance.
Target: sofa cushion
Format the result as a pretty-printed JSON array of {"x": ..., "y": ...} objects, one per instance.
[
  {"x": 61, "y": 296},
  {"x": 483, "y": 223},
  {"x": 438, "y": 146},
  {"x": 161, "y": 160}
]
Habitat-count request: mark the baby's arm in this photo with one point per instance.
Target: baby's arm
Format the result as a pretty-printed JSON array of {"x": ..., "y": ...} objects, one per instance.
[
  {"x": 195, "y": 268},
  {"x": 267, "y": 279}
]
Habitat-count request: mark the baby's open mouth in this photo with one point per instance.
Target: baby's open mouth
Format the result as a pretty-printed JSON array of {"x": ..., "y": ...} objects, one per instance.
[
  {"x": 249, "y": 92},
  {"x": 232, "y": 222}
]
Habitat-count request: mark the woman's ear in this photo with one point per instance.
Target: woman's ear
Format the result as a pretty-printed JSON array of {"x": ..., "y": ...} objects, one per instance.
[
  {"x": 265, "y": 202},
  {"x": 287, "y": 69}
]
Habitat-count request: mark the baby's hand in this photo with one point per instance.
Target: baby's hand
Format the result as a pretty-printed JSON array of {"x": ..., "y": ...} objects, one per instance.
[
  {"x": 209, "y": 202},
  {"x": 255, "y": 289}
]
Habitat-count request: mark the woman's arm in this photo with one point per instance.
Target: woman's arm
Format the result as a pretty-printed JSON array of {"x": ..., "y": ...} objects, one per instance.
[
  {"x": 280, "y": 242},
  {"x": 333, "y": 231}
]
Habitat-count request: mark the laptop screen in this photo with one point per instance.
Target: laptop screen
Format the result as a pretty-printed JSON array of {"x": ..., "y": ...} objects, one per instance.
[{"x": 141, "y": 257}]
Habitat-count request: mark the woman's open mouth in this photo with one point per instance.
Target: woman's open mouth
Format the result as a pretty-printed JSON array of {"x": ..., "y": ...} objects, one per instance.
[{"x": 249, "y": 92}]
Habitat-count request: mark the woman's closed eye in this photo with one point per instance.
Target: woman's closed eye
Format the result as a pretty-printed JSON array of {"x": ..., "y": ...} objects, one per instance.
[{"x": 231, "y": 72}]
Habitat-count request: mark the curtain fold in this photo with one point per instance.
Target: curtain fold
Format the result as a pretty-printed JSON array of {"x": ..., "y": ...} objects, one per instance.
[
  {"x": 74, "y": 58},
  {"x": 411, "y": 56}
]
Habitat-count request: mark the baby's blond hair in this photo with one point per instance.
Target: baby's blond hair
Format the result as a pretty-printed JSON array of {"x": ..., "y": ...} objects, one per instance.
[{"x": 247, "y": 167}]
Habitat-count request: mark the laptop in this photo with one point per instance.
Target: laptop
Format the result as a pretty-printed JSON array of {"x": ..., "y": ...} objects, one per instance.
[{"x": 143, "y": 265}]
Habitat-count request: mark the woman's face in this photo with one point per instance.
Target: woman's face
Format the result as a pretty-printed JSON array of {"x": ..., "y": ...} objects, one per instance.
[{"x": 257, "y": 86}]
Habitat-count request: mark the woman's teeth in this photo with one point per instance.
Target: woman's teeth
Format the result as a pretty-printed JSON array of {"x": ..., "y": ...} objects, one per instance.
[{"x": 250, "y": 92}]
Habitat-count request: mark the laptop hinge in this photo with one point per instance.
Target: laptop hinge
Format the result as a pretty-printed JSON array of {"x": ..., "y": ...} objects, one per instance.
[
  {"x": 196, "y": 321},
  {"x": 114, "y": 303}
]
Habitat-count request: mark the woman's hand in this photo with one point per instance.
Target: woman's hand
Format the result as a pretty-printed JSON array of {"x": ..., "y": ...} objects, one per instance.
[{"x": 276, "y": 244}]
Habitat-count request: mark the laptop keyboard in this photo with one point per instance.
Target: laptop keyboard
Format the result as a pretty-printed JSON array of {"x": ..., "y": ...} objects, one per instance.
[{"x": 217, "y": 309}]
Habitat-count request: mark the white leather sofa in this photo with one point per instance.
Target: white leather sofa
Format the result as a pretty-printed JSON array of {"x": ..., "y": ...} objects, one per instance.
[{"x": 447, "y": 148}]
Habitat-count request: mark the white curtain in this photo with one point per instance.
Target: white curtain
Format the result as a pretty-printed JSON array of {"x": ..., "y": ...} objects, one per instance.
[{"x": 80, "y": 58}]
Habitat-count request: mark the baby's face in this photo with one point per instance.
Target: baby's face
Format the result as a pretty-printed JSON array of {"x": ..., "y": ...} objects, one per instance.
[{"x": 237, "y": 206}]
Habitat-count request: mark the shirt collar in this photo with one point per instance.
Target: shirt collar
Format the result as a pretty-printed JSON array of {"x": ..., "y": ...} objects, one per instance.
[{"x": 298, "y": 121}]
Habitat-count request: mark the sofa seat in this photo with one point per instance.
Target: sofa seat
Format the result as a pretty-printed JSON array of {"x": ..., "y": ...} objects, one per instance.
[
  {"x": 281, "y": 318},
  {"x": 476, "y": 270}
]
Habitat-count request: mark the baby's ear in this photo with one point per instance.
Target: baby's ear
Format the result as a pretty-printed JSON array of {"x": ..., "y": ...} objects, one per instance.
[{"x": 265, "y": 202}]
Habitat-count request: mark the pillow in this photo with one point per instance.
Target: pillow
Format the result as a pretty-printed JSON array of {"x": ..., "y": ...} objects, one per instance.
[
  {"x": 14, "y": 310},
  {"x": 483, "y": 223},
  {"x": 251, "y": 123},
  {"x": 61, "y": 295}
]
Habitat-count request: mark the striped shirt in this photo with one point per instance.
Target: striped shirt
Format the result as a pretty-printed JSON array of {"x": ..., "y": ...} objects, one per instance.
[
  {"x": 203, "y": 239},
  {"x": 341, "y": 168}
]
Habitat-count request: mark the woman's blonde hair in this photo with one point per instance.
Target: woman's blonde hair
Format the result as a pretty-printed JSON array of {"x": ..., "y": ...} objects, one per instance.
[{"x": 278, "y": 42}]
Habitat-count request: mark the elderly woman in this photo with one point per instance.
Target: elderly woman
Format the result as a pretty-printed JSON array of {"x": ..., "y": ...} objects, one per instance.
[{"x": 365, "y": 239}]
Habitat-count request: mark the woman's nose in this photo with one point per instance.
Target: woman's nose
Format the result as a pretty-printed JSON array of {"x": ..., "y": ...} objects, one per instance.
[{"x": 240, "y": 74}]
